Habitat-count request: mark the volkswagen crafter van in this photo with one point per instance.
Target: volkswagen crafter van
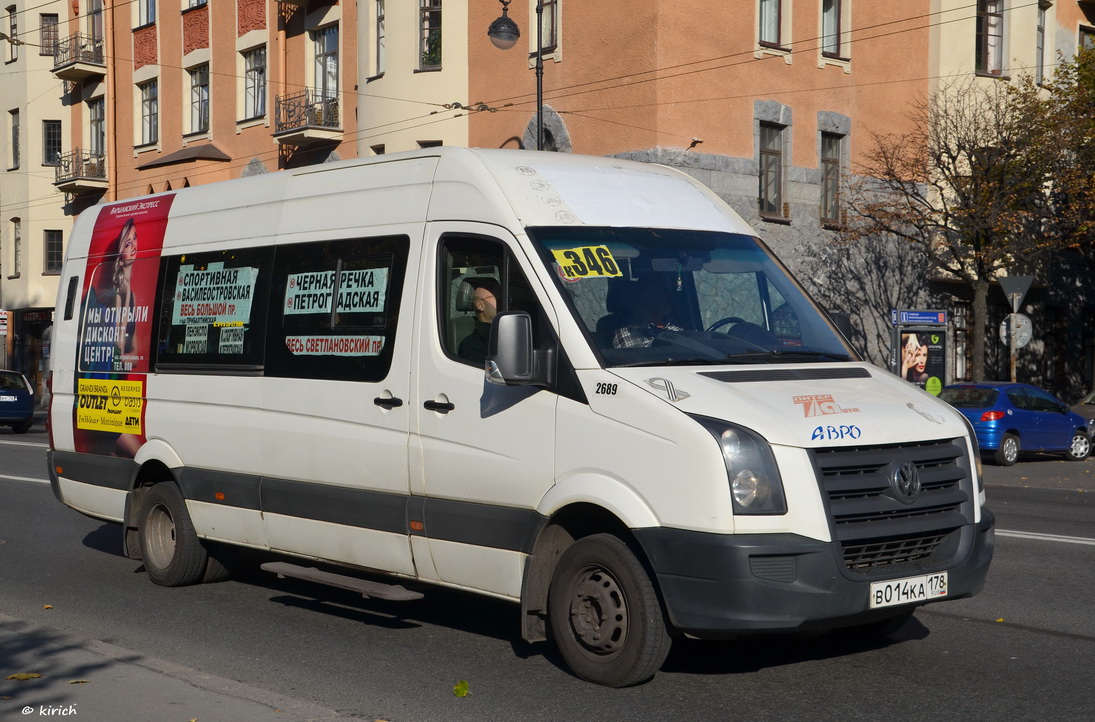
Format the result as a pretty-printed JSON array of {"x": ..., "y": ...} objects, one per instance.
[{"x": 579, "y": 384}]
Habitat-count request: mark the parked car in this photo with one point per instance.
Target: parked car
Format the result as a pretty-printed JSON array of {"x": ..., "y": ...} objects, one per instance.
[
  {"x": 16, "y": 401},
  {"x": 1085, "y": 407},
  {"x": 1011, "y": 418}
]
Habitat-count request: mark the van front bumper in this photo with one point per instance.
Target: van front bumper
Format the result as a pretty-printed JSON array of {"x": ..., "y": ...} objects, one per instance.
[{"x": 725, "y": 585}]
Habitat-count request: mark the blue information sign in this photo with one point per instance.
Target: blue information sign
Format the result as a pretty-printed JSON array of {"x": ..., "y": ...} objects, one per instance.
[{"x": 918, "y": 318}]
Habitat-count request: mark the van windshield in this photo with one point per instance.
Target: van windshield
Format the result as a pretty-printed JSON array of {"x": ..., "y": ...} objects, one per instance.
[{"x": 653, "y": 297}]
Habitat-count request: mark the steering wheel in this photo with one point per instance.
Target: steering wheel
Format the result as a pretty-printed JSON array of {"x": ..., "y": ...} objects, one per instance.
[{"x": 723, "y": 321}]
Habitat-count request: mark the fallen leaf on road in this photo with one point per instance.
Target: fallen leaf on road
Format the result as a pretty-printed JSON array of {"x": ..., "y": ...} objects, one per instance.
[
  {"x": 79, "y": 681},
  {"x": 47, "y": 606},
  {"x": 1000, "y": 619},
  {"x": 461, "y": 688},
  {"x": 24, "y": 676}
]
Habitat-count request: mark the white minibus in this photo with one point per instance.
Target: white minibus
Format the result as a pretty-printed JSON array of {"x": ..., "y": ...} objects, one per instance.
[{"x": 579, "y": 384}]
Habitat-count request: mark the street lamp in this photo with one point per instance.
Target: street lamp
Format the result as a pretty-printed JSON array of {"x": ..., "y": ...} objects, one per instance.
[{"x": 504, "y": 33}]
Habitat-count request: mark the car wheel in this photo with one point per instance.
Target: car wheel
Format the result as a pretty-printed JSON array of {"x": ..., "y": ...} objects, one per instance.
[
  {"x": 605, "y": 616},
  {"x": 1008, "y": 452},
  {"x": 21, "y": 428},
  {"x": 1080, "y": 449},
  {"x": 172, "y": 553}
]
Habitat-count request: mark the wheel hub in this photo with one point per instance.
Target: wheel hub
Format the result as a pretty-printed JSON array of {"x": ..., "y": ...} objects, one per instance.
[{"x": 598, "y": 612}]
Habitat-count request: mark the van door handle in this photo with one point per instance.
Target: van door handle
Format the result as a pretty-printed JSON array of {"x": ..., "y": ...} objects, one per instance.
[
  {"x": 389, "y": 403},
  {"x": 441, "y": 407}
]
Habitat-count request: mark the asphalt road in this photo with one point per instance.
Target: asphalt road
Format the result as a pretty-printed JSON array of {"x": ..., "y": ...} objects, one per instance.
[{"x": 259, "y": 648}]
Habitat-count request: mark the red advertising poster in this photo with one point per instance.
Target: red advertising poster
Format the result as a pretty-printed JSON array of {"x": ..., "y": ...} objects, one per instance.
[{"x": 118, "y": 305}]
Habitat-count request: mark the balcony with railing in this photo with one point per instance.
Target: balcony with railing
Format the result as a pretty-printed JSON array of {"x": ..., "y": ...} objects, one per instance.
[
  {"x": 79, "y": 171},
  {"x": 306, "y": 117},
  {"x": 79, "y": 56}
]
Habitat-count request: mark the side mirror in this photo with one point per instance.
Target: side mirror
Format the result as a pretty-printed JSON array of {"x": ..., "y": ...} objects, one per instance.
[{"x": 510, "y": 360}]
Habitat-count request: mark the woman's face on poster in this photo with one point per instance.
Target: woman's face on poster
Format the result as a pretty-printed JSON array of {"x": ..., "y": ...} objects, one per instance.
[{"x": 128, "y": 247}]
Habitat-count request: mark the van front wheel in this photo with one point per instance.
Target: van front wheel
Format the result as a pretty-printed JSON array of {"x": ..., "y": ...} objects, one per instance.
[
  {"x": 172, "y": 553},
  {"x": 604, "y": 612}
]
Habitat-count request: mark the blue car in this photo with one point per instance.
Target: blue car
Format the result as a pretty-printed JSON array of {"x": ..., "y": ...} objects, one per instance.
[
  {"x": 1011, "y": 418},
  {"x": 16, "y": 401}
]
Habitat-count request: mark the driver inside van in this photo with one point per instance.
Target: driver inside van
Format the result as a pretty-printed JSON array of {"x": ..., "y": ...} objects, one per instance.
[
  {"x": 654, "y": 314},
  {"x": 485, "y": 302}
]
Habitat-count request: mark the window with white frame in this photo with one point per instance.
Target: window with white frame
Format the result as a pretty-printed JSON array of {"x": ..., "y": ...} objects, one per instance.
[
  {"x": 146, "y": 12},
  {"x": 96, "y": 114},
  {"x": 150, "y": 112},
  {"x": 326, "y": 69},
  {"x": 254, "y": 83},
  {"x": 771, "y": 19},
  {"x": 771, "y": 169},
  {"x": 54, "y": 250},
  {"x": 549, "y": 25},
  {"x": 1040, "y": 46},
  {"x": 51, "y": 142},
  {"x": 199, "y": 98},
  {"x": 429, "y": 35},
  {"x": 830, "y": 177},
  {"x": 378, "y": 40},
  {"x": 989, "y": 56},
  {"x": 17, "y": 246},
  {"x": 831, "y": 28}
]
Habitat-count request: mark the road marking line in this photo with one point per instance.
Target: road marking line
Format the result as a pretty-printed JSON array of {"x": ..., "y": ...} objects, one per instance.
[
  {"x": 25, "y": 443},
  {"x": 1046, "y": 537},
  {"x": 24, "y": 478}
]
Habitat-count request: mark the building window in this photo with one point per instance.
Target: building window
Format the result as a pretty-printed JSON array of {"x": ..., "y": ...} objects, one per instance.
[
  {"x": 14, "y": 160},
  {"x": 199, "y": 99},
  {"x": 47, "y": 33},
  {"x": 95, "y": 19},
  {"x": 96, "y": 113},
  {"x": 17, "y": 246},
  {"x": 326, "y": 50},
  {"x": 1087, "y": 38},
  {"x": 146, "y": 12},
  {"x": 770, "y": 20},
  {"x": 830, "y": 28},
  {"x": 1040, "y": 47},
  {"x": 254, "y": 83},
  {"x": 55, "y": 250},
  {"x": 549, "y": 25},
  {"x": 13, "y": 35},
  {"x": 379, "y": 41},
  {"x": 195, "y": 3},
  {"x": 150, "y": 112},
  {"x": 990, "y": 37},
  {"x": 51, "y": 142},
  {"x": 429, "y": 37},
  {"x": 771, "y": 169},
  {"x": 830, "y": 178}
]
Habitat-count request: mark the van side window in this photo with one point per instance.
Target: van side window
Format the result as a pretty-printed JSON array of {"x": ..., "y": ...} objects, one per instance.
[
  {"x": 478, "y": 278},
  {"x": 335, "y": 308},
  {"x": 213, "y": 310}
]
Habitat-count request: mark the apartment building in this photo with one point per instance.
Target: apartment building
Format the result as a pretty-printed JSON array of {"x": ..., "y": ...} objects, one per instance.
[
  {"x": 774, "y": 104},
  {"x": 33, "y": 219}
]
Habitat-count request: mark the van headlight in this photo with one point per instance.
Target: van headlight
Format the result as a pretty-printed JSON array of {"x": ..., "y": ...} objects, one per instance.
[{"x": 755, "y": 485}]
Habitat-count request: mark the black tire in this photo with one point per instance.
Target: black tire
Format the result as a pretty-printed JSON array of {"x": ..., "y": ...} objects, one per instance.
[
  {"x": 1080, "y": 449},
  {"x": 605, "y": 616},
  {"x": 21, "y": 428},
  {"x": 172, "y": 553},
  {"x": 1008, "y": 453}
]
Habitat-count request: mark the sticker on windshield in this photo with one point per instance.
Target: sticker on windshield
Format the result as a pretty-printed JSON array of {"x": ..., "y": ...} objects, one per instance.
[{"x": 586, "y": 262}]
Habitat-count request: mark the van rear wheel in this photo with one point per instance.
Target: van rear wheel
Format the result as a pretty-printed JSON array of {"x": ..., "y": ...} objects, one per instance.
[
  {"x": 172, "y": 553},
  {"x": 605, "y": 616}
]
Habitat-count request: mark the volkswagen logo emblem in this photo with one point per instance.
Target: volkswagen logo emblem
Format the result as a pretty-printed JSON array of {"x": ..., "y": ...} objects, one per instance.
[{"x": 905, "y": 480}]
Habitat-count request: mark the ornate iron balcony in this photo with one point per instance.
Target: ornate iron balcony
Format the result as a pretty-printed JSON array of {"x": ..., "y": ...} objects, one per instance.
[
  {"x": 80, "y": 170},
  {"x": 306, "y": 117},
  {"x": 78, "y": 56}
]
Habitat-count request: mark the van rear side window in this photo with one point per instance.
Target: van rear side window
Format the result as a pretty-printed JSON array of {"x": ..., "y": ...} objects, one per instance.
[
  {"x": 214, "y": 308},
  {"x": 334, "y": 308}
]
